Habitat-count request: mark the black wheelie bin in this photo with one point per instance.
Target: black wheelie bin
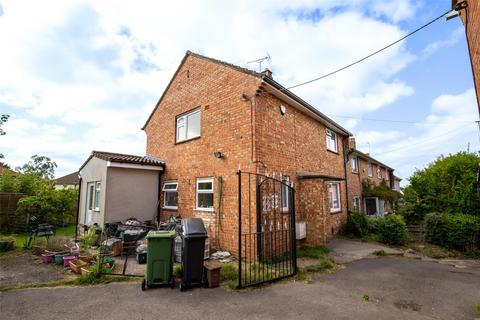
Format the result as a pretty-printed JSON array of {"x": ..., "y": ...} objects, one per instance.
[{"x": 193, "y": 250}]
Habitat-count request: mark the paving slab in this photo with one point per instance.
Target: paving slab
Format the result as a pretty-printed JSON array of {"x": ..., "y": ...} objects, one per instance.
[{"x": 346, "y": 251}]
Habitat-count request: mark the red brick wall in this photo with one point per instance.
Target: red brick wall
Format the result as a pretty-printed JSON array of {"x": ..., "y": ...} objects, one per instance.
[
  {"x": 287, "y": 144},
  {"x": 225, "y": 126},
  {"x": 471, "y": 19},
  {"x": 355, "y": 179}
]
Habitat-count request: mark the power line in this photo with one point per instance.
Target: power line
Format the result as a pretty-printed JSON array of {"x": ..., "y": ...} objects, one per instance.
[{"x": 369, "y": 55}]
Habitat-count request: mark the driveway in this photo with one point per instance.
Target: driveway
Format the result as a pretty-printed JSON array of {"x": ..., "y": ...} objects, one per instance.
[{"x": 397, "y": 288}]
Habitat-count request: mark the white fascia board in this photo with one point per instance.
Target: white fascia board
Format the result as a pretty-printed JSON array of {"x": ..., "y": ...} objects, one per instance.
[{"x": 133, "y": 166}]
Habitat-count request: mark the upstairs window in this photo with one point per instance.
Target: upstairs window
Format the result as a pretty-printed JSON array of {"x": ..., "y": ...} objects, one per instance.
[
  {"x": 205, "y": 194},
  {"x": 188, "y": 126},
  {"x": 370, "y": 169},
  {"x": 334, "y": 196},
  {"x": 354, "y": 161},
  {"x": 170, "y": 195},
  {"x": 331, "y": 140},
  {"x": 379, "y": 172}
]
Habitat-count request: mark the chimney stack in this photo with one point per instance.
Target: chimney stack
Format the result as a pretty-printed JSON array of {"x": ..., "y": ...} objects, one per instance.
[
  {"x": 267, "y": 73},
  {"x": 351, "y": 143}
]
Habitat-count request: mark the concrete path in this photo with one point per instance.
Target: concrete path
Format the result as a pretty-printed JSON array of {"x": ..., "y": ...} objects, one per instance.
[
  {"x": 396, "y": 288},
  {"x": 345, "y": 251}
]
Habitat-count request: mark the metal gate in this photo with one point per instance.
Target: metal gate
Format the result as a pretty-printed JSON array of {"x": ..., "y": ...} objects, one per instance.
[{"x": 266, "y": 229}]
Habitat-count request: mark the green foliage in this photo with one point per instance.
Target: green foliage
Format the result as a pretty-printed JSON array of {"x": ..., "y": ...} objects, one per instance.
[
  {"x": 228, "y": 272},
  {"x": 446, "y": 185},
  {"x": 312, "y": 252},
  {"x": 380, "y": 253},
  {"x": 477, "y": 307},
  {"x": 392, "y": 230},
  {"x": 373, "y": 222},
  {"x": 456, "y": 231},
  {"x": 177, "y": 270},
  {"x": 3, "y": 119},
  {"x": 366, "y": 297},
  {"x": 41, "y": 166},
  {"x": 381, "y": 191},
  {"x": 356, "y": 225}
]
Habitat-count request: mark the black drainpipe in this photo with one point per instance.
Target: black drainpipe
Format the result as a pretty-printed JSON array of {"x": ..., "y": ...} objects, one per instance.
[
  {"x": 345, "y": 160},
  {"x": 159, "y": 207},
  {"x": 78, "y": 207}
]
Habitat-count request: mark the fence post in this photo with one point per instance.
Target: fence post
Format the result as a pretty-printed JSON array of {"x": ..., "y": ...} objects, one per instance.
[{"x": 239, "y": 173}]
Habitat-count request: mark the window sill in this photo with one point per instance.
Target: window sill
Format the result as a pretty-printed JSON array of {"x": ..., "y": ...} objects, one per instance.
[
  {"x": 187, "y": 140},
  {"x": 96, "y": 210},
  {"x": 355, "y": 172},
  {"x": 205, "y": 209},
  {"x": 170, "y": 208},
  {"x": 335, "y": 211},
  {"x": 332, "y": 151}
]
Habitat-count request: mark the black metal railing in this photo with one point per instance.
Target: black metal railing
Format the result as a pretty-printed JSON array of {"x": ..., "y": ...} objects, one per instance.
[{"x": 266, "y": 229}]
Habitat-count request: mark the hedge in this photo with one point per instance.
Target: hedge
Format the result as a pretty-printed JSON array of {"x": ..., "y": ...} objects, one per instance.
[
  {"x": 456, "y": 231},
  {"x": 392, "y": 230}
]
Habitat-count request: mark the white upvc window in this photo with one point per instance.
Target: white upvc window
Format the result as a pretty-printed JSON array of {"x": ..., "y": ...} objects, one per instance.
[
  {"x": 188, "y": 126},
  {"x": 170, "y": 195},
  {"x": 354, "y": 161},
  {"x": 370, "y": 169},
  {"x": 90, "y": 196},
  {"x": 98, "y": 187},
  {"x": 356, "y": 203},
  {"x": 334, "y": 196},
  {"x": 331, "y": 140},
  {"x": 379, "y": 172},
  {"x": 285, "y": 194},
  {"x": 204, "y": 199}
]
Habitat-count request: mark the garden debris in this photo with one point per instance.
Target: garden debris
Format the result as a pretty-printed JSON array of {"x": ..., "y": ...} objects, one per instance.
[{"x": 222, "y": 256}]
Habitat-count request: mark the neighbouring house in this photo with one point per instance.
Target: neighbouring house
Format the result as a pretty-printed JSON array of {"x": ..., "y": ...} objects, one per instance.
[
  {"x": 116, "y": 186},
  {"x": 215, "y": 118},
  {"x": 69, "y": 181},
  {"x": 365, "y": 175},
  {"x": 469, "y": 11}
]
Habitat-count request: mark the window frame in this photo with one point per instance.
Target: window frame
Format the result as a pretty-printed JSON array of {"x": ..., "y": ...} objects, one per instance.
[
  {"x": 198, "y": 191},
  {"x": 184, "y": 117},
  {"x": 354, "y": 159},
  {"x": 97, "y": 191},
  {"x": 164, "y": 191},
  {"x": 370, "y": 169},
  {"x": 284, "y": 187},
  {"x": 355, "y": 205},
  {"x": 90, "y": 196},
  {"x": 379, "y": 172},
  {"x": 331, "y": 133},
  {"x": 339, "y": 200}
]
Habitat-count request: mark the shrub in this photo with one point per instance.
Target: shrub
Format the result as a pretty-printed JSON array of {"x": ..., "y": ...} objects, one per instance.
[
  {"x": 435, "y": 229},
  {"x": 456, "y": 231},
  {"x": 392, "y": 230},
  {"x": 373, "y": 223},
  {"x": 356, "y": 225}
]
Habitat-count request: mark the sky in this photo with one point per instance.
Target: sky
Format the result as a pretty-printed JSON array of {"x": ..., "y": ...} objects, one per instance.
[{"x": 77, "y": 76}]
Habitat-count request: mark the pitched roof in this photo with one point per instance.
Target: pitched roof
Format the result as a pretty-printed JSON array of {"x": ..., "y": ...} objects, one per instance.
[
  {"x": 125, "y": 158},
  {"x": 368, "y": 157},
  {"x": 259, "y": 75},
  {"x": 69, "y": 179}
]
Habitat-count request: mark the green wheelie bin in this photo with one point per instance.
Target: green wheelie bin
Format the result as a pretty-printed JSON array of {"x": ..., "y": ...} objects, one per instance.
[{"x": 159, "y": 259}]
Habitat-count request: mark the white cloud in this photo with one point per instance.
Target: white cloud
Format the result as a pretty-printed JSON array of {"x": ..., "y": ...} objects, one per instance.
[
  {"x": 452, "y": 39},
  {"x": 86, "y": 74},
  {"x": 448, "y": 127}
]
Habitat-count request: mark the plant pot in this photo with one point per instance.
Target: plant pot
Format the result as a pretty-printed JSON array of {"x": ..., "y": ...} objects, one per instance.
[
  {"x": 6, "y": 245},
  {"x": 59, "y": 258},
  {"x": 48, "y": 257},
  {"x": 76, "y": 265},
  {"x": 67, "y": 259}
]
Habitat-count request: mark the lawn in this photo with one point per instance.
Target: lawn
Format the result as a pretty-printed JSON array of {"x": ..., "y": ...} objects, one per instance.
[{"x": 22, "y": 238}]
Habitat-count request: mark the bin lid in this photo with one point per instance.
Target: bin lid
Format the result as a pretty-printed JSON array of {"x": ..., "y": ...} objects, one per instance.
[
  {"x": 161, "y": 234},
  {"x": 193, "y": 227}
]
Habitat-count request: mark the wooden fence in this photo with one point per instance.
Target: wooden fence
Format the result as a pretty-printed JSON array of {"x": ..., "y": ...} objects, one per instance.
[{"x": 9, "y": 221}]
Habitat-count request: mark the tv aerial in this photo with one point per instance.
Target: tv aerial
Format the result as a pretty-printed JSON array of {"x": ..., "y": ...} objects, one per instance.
[{"x": 259, "y": 61}]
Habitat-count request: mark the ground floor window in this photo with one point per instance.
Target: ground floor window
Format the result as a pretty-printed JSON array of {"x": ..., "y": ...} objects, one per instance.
[
  {"x": 334, "y": 196},
  {"x": 356, "y": 203},
  {"x": 285, "y": 194},
  {"x": 204, "y": 194},
  {"x": 170, "y": 195}
]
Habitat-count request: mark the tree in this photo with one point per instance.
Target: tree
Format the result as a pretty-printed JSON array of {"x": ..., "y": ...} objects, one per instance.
[
  {"x": 449, "y": 184},
  {"x": 41, "y": 166},
  {"x": 3, "y": 119}
]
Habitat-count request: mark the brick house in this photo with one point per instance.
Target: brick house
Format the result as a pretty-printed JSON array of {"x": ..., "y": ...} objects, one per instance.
[
  {"x": 362, "y": 168},
  {"x": 215, "y": 118},
  {"x": 469, "y": 11}
]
